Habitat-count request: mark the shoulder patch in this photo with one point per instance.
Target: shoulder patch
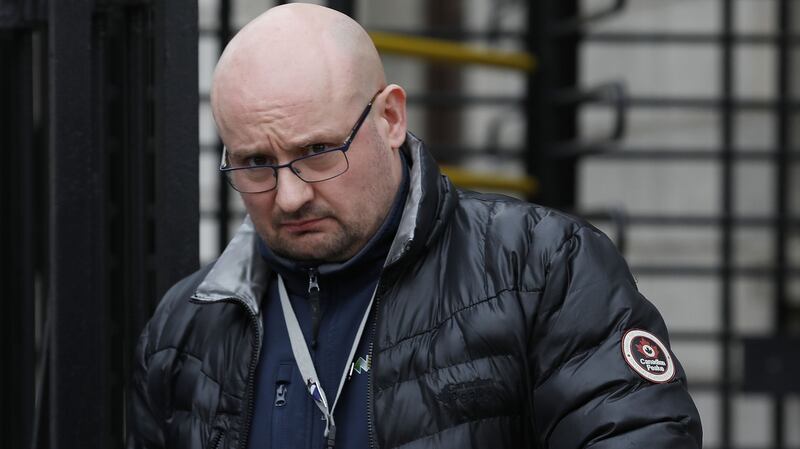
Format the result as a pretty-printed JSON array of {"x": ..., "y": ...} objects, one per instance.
[{"x": 648, "y": 356}]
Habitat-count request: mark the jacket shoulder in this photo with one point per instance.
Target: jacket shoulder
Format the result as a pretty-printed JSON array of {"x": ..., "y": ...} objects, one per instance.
[
  {"x": 177, "y": 374},
  {"x": 175, "y": 307},
  {"x": 507, "y": 221},
  {"x": 182, "y": 291},
  {"x": 505, "y": 208}
]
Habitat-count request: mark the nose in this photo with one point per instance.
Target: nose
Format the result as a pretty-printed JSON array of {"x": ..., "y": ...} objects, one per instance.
[{"x": 292, "y": 193}]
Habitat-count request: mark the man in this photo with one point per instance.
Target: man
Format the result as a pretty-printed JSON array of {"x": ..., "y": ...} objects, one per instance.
[{"x": 366, "y": 302}]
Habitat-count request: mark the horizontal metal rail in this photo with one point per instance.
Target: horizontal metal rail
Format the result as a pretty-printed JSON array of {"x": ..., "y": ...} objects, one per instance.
[
  {"x": 698, "y": 336},
  {"x": 639, "y": 101},
  {"x": 707, "y": 271},
  {"x": 668, "y": 38},
  {"x": 739, "y": 104},
  {"x": 695, "y": 221},
  {"x": 624, "y": 153},
  {"x": 684, "y": 154},
  {"x": 451, "y": 52},
  {"x": 634, "y": 101},
  {"x": 525, "y": 185}
]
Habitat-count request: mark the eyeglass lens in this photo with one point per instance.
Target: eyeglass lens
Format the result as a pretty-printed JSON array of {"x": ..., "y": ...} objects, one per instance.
[{"x": 315, "y": 168}]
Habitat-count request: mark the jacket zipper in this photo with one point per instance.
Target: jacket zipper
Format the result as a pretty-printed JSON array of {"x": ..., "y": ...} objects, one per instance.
[
  {"x": 370, "y": 423},
  {"x": 217, "y": 441},
  {"x": 373, "y": 443},
  {"x": 313, "y": 298},
  {"x": 381, "y": 289},
  {"x": 316, "y": 317},
  {"x": 280, "y": 395},
  {"x": 250, "y": 377}
]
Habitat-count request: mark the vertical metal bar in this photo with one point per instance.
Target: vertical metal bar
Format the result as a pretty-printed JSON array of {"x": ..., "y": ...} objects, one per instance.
[
  {"x": 781, "y": 186},
  {"x": 536, "y": 92},
  {"x": 17, "y": 188},
  {"x": 345, "y": 6},
  {"x": 159, "y": 145},
  {"x": 443, "y": 122},
  {"x": 28, "y": 262},
  {"x": 41, "y": 199},
  {"x": 224, "y": 34},
  {"x": 548, "y": 122},
  {"x": 79, "y": 356},
  {"x": 174, "y": 239},
  {"x": 128, "y": 146},
  {"x": 726, "y": 219}
]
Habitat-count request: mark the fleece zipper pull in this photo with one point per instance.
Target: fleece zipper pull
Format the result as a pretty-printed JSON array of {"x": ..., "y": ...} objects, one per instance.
[{"x": 313, "y": 299}]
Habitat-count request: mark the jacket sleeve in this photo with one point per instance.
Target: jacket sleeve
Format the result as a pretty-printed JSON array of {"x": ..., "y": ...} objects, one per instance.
[
  {"x": 144, "y": 429},
  {"x": 585, "y": 394}
]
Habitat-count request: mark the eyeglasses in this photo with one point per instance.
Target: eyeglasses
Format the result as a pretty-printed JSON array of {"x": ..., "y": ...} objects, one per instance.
[{"x": 250, "y": 176}]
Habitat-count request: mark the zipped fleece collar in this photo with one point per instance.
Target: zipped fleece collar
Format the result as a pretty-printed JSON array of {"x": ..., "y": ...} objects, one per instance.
[{"x": 241, "y": 273}]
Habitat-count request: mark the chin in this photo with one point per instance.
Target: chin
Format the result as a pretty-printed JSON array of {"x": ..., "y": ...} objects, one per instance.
[
  {"x": 334, "y": 245},
  {"x": 307, "y": 248}
]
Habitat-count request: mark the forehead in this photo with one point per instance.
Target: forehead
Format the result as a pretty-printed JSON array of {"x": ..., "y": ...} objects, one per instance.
[
  {"x": 289, "y": 99},
  {"x": 288, "y": 124}
]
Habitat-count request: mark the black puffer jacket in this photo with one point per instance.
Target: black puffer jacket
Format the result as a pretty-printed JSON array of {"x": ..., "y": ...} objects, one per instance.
[{"x": 499, "y": 324}]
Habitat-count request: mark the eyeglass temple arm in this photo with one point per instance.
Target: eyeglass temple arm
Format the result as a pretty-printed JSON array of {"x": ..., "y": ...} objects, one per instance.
[{"x": 222, "y": 161}]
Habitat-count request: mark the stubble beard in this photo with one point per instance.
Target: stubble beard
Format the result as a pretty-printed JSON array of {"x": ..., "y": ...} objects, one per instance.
[
  {"x": 335, "y": 245},
  {"x": 315, "y": 246}
]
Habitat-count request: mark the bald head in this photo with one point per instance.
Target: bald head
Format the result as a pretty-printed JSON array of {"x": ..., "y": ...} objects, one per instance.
[
  {"x": 295, "y": 81},
  {"x": 295, "y": 53}
]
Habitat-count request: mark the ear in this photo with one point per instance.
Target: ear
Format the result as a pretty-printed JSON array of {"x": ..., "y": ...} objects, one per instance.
[{"x": 393, "y": 112}]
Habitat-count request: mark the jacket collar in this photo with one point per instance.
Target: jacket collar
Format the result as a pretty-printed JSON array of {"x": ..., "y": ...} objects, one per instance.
[
  {"x": 431, "y": 200},
  {"x": 241, "y": 273}
]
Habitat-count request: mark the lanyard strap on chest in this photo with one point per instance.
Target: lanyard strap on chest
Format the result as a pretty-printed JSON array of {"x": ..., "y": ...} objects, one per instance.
[{"x": 306, "y": 365}]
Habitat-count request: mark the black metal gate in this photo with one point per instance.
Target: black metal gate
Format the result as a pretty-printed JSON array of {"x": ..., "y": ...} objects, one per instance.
[{"x": 99, "y": 204}]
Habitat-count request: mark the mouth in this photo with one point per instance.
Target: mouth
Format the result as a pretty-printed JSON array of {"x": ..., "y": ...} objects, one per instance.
[{"x": 301, "y": 226}]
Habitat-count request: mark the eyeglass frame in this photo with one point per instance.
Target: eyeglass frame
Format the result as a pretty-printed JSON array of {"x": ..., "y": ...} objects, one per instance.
[{"x": 343, "y": 148}]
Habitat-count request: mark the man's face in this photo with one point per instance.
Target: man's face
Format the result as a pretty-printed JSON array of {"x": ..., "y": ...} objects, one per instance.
[{"x": 326, "y": 221}]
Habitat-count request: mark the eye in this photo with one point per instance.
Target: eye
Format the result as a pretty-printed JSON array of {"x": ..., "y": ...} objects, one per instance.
[
  {"x": 315, "y": 148},
  {"x": 256, "y": 160},
  {"x": 250, "y": 159}
]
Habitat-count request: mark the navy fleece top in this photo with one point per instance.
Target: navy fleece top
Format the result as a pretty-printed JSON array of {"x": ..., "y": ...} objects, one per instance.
[{"x": 285, "y": 416}]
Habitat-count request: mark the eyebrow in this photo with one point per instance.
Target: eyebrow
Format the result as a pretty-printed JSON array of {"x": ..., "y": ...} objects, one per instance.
[
  {"x": 296, "y": 145},
  {"x": 329, "y": 134},
  {"x": 304, "y": 142},
  {"x": 244, "y": 152},
  {"x": 316, "y": 137}
]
